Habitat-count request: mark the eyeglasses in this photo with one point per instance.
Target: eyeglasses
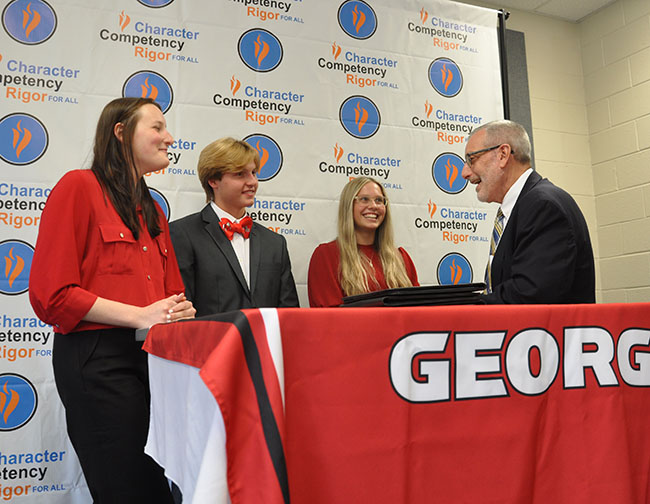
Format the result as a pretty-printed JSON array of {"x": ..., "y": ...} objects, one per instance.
[
  {"x": 365, "y": 200},
  {"x": 470, "y": 157}
]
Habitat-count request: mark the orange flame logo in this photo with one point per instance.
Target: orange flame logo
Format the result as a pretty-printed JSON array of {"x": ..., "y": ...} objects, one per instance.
[
  {"x": 234, "y": 85},
  {"x": 261, "y": 50},
  {"x": 428, "y": 108},
  {"x": 424, "y": 15},
  {"x": 338, "y": 152},
  {"x": 432, "y": 208},
  {"x": 360, "y": 116},
  {"x": 8, "y": 407},
  {"x": 358, "y": 18},
  {"x": 447, "y": 76},
  {"x": 13, "y": 269},
  {"x": 149, "y": 91},
  {"x": 456, "y": 272},
  {"x": 336, "y": 50},
  {"x": 28, "y": 25},
  {"x": 264, "y": 155},
  {"x": 18, "y": 144},
  {"x": 452, "y": 172},
  {"x": 124, "y": 20}
]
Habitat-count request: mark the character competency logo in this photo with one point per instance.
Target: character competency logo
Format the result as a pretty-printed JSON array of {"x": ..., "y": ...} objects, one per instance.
[
  {"x": 445, "y": 77},
  {"x": 152, "y": 85},
  {"x": 454, "y": 269},
  {"x": 446, "y": 171},
  {"x": 354, "y": 164},
  {"x": 360, "y": 68},
  {"x": 23, "y": 139},
  {"x": 14, "y": 277},
  {"x": 18, "y": 401},
  {"x": 446, "y": 34},
  {"x": 155, "y": 4},
  {"x": 357, "y": 19},
  {"x": 150, "y": 40},
  {"x": 29, "y": 22},
  {"x": 159, "y": 198},
  {"x": 260, "y": 50},
  {"x": 455, "y": 225},
  {"x": 360, "y": 117},
  {"x": 270, "y": 155}
]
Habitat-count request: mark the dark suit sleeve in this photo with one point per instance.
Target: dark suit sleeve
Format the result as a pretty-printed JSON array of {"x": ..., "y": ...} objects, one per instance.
[
  {"x": 184, "y": 255},
  {"x": 288, "y": 293},
  {"x": 544, "y": 256}
]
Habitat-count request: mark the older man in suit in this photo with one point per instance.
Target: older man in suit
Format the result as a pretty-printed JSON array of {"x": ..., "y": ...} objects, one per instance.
[
  {"x": 540, "y": 250},
  {"x": 227, "y": 261}
]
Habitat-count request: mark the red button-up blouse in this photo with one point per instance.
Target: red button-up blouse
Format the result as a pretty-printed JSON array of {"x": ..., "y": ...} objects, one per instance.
[{"x": 84, "y": 250}]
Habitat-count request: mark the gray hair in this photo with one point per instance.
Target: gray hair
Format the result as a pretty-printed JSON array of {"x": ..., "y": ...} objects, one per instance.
[{"x": 510, "y": 132}]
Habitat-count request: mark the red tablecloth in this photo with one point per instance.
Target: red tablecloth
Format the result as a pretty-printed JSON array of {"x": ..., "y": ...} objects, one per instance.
[{"x": 467, "y": 404}]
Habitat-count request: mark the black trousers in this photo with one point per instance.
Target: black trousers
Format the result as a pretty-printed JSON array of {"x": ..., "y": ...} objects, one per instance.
[{"x": 102, "y": 379}]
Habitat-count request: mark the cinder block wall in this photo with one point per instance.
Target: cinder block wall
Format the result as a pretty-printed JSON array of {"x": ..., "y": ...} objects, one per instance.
[{"x": 615, "y": 46}]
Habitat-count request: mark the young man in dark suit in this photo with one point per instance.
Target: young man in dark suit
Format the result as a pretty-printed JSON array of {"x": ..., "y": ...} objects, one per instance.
[
  {"x": 227, "y": 261},
  {"x": 540, "y": 250}
]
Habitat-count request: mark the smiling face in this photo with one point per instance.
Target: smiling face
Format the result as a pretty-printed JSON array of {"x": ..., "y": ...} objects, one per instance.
[
  {"x": 368, "y": 217},
  {"x": 485, "y": 171},
  {"x": 236, "y": 191},
  {"x": 150, "y": 140}
]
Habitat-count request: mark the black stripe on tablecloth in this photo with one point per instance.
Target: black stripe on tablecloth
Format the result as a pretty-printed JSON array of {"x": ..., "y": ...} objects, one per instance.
[{"x": 269, "y": 424}]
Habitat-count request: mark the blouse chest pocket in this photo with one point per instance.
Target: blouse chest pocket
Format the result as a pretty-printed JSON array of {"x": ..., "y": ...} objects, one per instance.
[
  {"x": 162, "y": 248},
  {"x": 120, "y": 250}
]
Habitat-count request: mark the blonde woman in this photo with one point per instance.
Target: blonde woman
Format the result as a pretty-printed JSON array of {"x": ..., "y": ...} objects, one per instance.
[{"x": 363, "y": 258}]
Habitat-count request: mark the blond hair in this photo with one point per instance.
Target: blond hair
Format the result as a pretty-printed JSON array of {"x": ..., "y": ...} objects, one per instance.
[
  {"x": 356, "y": 268},
  {"x": 226, "y": 155}
]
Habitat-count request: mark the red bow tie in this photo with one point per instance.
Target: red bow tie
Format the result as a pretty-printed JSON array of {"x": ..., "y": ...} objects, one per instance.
[{"x": 243, "y": 227}]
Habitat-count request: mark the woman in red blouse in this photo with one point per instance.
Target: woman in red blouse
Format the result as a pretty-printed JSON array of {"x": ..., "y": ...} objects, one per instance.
[
  {"x": 363, "y": 258},
  {"x": 103, "y": 266}
]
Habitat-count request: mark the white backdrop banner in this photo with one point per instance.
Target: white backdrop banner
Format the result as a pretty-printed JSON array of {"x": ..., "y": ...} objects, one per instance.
[{"x": 325, "y": 90}]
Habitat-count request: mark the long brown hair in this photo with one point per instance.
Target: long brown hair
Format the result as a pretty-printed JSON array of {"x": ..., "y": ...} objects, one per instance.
[{"x": 114, "y": 165}]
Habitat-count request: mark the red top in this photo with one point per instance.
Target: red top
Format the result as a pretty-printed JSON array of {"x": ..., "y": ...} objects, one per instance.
[
  {"x": 323, "y": 282},
  {"x": 84, "y": 250}
]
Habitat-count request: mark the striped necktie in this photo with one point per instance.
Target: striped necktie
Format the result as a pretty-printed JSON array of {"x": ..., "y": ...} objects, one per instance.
[{"x": 494, "y": 242}]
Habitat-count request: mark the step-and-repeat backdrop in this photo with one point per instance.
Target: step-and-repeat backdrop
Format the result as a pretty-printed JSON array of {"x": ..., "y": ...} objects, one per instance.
[{"x": 325, "y": 90}]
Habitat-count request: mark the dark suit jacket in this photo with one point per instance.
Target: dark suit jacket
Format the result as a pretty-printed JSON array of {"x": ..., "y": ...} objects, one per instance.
[
  {"x": 544, "y": 255},
  {"x": 213, "y": 279}
]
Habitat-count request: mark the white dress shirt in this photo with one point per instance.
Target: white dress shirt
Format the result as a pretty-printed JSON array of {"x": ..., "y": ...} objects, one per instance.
[{"x": 240, "y": 245}]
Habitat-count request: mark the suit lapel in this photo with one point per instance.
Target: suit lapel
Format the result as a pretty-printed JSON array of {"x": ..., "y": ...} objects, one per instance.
[
  {"x": 255, "y": 255},
  {"x": 211, "y": 222},
  {"x": 505, "y": 249}
]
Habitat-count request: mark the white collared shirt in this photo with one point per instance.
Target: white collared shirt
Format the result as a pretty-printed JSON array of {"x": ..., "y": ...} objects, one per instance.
[
  {"x": 508, "y": 203},
  {"x": 240, "y": 245},
  {"x": 512, "y": 196}
]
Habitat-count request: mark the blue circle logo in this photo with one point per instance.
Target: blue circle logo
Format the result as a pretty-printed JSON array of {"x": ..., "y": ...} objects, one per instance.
[
  {"x": 152, "y": 85},
  {"x": 270, "y": 155},
  {"x": 360, "y": 117},
  {"x": 23, "y": 139},
  {"x": 260, "y": 50},
  {"x": 357, "y": 19},
  {"x": 447, "y": 173},
  {"x": 445, "y": 77},
  {"x": 18, "y": 401},
  {"x": 29, "y": 22},
  {"x": 155, "y": 4},
  {"x": 17, "y": 258},
  {"x": 159, "y": 198},
  {"x": 454, "y": 269}
]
